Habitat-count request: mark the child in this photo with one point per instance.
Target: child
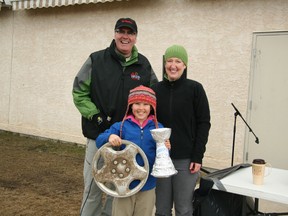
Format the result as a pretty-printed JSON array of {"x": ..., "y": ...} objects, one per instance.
[{"x": 139, "y": 119}]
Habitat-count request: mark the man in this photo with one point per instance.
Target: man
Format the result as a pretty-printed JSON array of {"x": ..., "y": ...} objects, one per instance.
[{"x": 100, "y": 93}]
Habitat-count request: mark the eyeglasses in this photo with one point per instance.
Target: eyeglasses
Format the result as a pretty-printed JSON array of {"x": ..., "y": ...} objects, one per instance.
[{"x": 123, "y": 32}]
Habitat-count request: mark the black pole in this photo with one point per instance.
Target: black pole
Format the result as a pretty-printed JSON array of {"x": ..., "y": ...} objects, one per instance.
[{"x": 234, "y": 131}]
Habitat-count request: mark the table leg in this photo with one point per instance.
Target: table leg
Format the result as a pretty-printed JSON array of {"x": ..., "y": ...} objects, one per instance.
[{"x": 256, "y": 206}]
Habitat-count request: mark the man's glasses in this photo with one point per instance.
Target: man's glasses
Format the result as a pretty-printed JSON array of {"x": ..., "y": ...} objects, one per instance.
[{"x": 123, "y": 32}]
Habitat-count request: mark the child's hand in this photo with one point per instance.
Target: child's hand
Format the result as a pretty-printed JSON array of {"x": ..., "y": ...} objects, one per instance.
[
  {"x": 115, "y": 140},
  {"x": 167, "y": 144}
]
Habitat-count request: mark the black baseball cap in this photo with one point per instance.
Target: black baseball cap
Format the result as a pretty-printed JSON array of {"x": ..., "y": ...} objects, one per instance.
[{"x": 126, "y": 22}]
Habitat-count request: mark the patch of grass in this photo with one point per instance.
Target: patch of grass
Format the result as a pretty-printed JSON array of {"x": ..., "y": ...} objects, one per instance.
[{"x": 39, "y": 144}]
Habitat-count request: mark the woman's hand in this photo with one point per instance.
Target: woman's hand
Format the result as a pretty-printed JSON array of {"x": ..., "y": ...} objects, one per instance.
[
  {"x": 115, "y": 140},
  {"x": 194, "y": 167}
]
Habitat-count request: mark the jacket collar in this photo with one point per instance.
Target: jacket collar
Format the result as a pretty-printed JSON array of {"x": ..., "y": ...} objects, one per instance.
[
  {"x": 132, "y": 118},
  {"x": 120, "y": 57},
  {"x": 176, "y": 82}
]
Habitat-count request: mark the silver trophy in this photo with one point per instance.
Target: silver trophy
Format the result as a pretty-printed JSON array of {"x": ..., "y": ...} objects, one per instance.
[{"x": 163, "y": 166}]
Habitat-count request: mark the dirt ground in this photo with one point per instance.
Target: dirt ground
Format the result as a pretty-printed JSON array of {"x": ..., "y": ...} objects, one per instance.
[
  {"x": 39, "y": 177},
  {"x": 45, "y": 178}
]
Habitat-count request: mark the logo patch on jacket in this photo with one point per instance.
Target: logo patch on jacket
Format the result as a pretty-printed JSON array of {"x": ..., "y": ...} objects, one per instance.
[{"x": 135, "y": 76}]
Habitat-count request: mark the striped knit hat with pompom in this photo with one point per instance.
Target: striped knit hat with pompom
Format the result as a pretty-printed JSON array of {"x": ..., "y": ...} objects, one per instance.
[{"x": 142, "y": 94}]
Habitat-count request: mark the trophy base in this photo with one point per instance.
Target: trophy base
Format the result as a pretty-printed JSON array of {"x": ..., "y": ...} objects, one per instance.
[{"x": 164, "y": 175}]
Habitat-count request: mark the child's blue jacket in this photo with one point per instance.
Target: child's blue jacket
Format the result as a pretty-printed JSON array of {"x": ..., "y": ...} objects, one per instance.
[{"x": 141, "y": 137}]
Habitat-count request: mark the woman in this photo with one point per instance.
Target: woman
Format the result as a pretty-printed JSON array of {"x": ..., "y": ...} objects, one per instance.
[{"x": 182, "y": 105}]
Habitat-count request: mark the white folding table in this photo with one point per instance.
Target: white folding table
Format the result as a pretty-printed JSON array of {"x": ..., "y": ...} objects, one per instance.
[{"x": 275, "y": 187}]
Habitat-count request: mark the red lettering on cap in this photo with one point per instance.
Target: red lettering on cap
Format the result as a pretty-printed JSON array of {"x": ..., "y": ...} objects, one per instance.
[{"x": 127, "y": 21}]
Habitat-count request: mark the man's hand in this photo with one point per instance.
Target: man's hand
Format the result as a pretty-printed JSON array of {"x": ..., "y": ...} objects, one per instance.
[{"x": 101, "y": 121}]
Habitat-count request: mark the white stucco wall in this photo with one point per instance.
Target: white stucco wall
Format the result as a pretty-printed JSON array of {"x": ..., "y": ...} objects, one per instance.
[{"x": 43, "y": 49}]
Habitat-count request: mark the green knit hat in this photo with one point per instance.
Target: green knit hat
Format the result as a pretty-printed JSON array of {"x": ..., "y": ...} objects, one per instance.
[{"x": 176, "y": 51}]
